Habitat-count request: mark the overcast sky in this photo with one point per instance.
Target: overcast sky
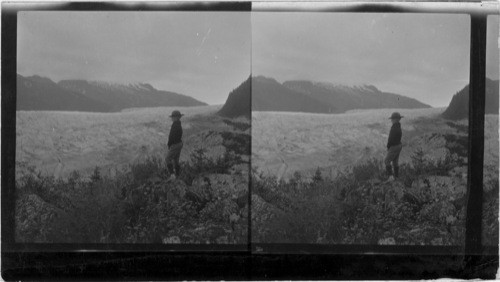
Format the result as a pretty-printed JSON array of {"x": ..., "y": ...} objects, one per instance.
[
  {"x": 201, "y": 54},
  {"x": 423, "y": 56}
]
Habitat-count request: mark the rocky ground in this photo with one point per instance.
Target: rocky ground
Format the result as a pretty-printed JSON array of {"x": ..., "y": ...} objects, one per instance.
[
  {"x": 208, "y": 203},
  {"x": 211, "y": 210}
]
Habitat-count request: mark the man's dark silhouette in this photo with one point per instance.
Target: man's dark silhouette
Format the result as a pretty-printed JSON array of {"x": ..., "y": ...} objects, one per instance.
[
  {"x": 174, "y": 144},
  {"x": 394, "y": 147}
]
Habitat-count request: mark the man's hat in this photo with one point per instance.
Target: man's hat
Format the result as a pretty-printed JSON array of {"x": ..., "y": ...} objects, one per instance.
[
  {"x": 396, "y": 115},
  {"x": 176, "y": 114}
]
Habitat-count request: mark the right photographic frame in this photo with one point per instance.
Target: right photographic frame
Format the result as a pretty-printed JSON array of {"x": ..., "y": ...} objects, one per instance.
[{"x": 361, "y": 129}]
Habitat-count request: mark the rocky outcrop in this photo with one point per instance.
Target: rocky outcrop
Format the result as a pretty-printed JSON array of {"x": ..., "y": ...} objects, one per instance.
[
  {"x": 436, "y": 188},
  {"x": 221, "y": 218},
  {"x": 262, "y": 213},
  {"x": 422, "y": 212},
  {"x": 33, "y": 216}
]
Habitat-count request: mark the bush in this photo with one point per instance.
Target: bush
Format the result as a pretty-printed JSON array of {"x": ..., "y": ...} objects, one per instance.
[
  {"x": 309, "y": 211},
  {"x": 318, "y": 177},
  {"x": 201, "y": 163},
  {"x": 357, "y": 208},
  {"x": 418, "y": 161},
  {"x": 87, "y": 210},
  {"x": 152, "y": 166},
  {"x": 422, "y": 165},
  {"x": 369, "y": 170},
  {"x": 136, "y": 206}
]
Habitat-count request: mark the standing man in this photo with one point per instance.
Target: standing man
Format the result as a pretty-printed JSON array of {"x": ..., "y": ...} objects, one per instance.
[
  {"x": 174, "y": 145},
  {"x": 394, "y": 147}
]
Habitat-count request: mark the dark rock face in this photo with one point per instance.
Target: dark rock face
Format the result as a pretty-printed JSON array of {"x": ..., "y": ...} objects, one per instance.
[
  {"x": 37, "y": 93},
  {"x": 459, "y": 105},
  {"x": 238, "y": 101}
]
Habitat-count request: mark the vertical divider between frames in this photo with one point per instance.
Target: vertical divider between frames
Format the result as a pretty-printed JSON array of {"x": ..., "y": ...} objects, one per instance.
[
  {"x": 475, "y": 160},
  {"x": 8, "y": 93}
]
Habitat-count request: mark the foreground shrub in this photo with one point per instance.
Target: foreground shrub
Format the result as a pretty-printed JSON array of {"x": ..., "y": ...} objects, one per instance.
[
  {"x": 139, "y": 205},
  {"x": 369, "y": 170},
  {"x": 359, "y": 207},
  {"x": 200, "y": 163}
]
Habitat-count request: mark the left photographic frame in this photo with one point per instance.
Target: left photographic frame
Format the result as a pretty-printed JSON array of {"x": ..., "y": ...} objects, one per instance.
[{"x": 131, "y": 127}]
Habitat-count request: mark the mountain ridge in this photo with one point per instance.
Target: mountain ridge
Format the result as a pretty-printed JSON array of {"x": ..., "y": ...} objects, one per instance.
[
  {"x": 41, "y": 93},
  {"x": 270, "y": 95},
  {"x": 323, "y": 97},
  {"x": 354, "y": 97},
  {"x": 120, "y": 96}
]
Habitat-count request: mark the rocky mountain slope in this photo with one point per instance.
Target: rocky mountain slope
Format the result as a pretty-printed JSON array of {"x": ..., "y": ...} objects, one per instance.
[
  {"x": 119, "y": 96},
  {"x": 238, "y": 102},
  {"x": 319, "y": 97},
  {"x": 270, "y": 95},
  {"x": 38, "y": 93},
  {"x": 346, "y": 98},
  {"x": 459, "y": 105}
]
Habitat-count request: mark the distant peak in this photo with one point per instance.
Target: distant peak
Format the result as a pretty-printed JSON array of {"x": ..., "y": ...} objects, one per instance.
[
  {"x": 104, "y": 83},
  {"x": 332, "y": 86},
  {"x": 109, "y": 84},
  {"x": 265, "y": 79},
  {"x": 370, "y": 87},
  {"x": 301, "y": 81},
  {"x": 491, "y": 80},
  {"x": 40, "y": 79},
  {"x": 147, "y": 86},
  {"x": 65, "y": 81}
]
